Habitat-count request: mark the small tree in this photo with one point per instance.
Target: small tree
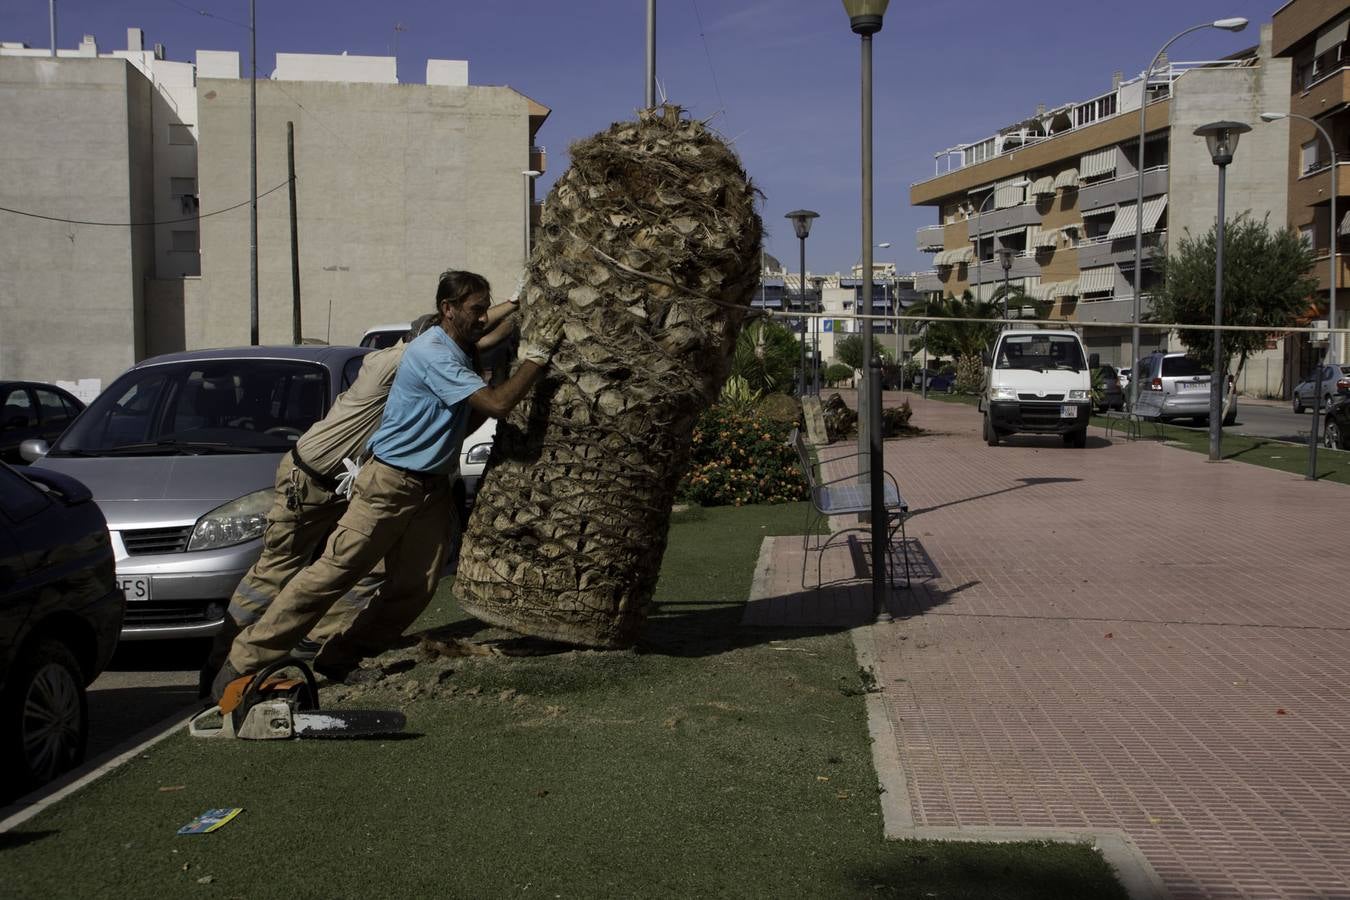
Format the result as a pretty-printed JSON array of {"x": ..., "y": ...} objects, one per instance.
[
  {"x": 963, "y": 340},
  {"x": 1265, "y": 283},
  {"x": 849, "y": 351},
  {"x": 767, "y": 356}
]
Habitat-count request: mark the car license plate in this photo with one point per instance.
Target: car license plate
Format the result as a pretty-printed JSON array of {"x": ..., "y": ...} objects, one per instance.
[
  {"x": 1068, "y": 412},
  {"x": 1190, "y": 385},
  {"x": 136, "y": 587}
]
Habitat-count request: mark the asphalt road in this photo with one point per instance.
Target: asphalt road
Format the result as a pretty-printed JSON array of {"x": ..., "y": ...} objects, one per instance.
[
  {"x": 146, "y": 682},
  {"x": 1262, "y": 418}
]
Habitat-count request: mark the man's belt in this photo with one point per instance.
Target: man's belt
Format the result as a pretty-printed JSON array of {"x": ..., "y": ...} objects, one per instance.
[
  {"x": 412, "y": 473},
  {"x": 327, "y": 482}
]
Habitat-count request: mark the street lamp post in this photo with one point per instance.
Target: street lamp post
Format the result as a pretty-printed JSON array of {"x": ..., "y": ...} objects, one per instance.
[
  {"x": 818, "y": 306},
  {"x": 530, "y": 175},
  {"x": 1005, "y": 259},
  {"x": 979, "y": 233},
  {"x": 1333, "y": 352},
  {"x": 1233, "y": 24},
  {"x": 1222, "y": 138},
  {"x": 865, "y": 17},
  {"x": 801, "y": 224}
]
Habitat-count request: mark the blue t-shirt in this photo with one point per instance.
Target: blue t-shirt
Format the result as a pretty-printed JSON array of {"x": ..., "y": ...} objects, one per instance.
[{"x": 427, "y": 412}]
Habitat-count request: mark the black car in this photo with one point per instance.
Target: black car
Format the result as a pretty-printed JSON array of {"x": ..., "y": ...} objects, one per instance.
[
  {"x": 32, "y": 409},
  {"x": 60, "y": 612},
  {"x": 1112, "y": 396},
  {"x": 1336, "y": 427}
]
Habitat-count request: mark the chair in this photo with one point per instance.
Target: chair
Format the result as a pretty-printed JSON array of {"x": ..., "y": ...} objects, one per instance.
[{"x": 845, "y": 495}]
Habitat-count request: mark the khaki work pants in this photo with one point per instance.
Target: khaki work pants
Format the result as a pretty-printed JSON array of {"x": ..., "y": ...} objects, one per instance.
[
  {"x": 394, "y": 517},
  {"x": 290, "y": 542}
]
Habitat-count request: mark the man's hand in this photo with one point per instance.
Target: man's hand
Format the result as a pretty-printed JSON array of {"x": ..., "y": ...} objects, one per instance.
[{"x": 543, "y": 341}]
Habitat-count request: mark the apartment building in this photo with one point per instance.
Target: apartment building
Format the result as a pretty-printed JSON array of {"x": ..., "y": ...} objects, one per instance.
[
  {"x": 141, "y": 167},
  {"x": 1057, "y": 189},
  {"x": 837, "y": 298},
  {"x": 1311, "y": 34}
]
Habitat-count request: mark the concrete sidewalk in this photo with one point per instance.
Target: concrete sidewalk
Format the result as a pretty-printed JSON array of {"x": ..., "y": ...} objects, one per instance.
[{"x": 1124, "y": 639}]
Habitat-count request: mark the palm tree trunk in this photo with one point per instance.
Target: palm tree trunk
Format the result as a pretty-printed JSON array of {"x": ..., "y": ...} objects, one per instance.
[{"x": 649, "y": 251}]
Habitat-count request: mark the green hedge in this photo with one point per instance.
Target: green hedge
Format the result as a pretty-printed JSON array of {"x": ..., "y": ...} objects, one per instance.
[{"x": 741, "y": 457}]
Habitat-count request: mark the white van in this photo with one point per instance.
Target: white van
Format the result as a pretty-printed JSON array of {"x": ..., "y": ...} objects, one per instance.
[{"x": 1037, "y": 381}]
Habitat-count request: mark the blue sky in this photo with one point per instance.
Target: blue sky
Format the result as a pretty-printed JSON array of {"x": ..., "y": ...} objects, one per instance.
[{"x": 779, "y": 78}]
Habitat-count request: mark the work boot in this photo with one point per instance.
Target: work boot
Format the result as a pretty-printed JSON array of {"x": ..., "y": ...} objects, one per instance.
[
  {"x": 227, "y": 674},
  {"x": 306, "y": 650}
]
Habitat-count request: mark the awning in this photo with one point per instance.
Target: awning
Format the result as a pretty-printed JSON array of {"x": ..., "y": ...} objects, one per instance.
[
  {"x": 1345, "y": 224},
  {"x": 1332, "y": 35},
  {"x": 964, "y": 255},
  {"x": 1044, "y": 186},
  {"x": 1098, "y": 162},
  {"x": 1153, "y": 210},
  {"x": 1101, "y": 279},
  {"x": 1045, "y": 291},
  {"x": 1123, "y": 226},
  {"x": 1066, "y": 179},
  {"x": 1047, "y": 237},
  {"x": 1099, "y": 211},
  {"x": 1004, "y": 232},
  {"x": 1068, "y": 288},
  {"x": 1009, "y": 192}
]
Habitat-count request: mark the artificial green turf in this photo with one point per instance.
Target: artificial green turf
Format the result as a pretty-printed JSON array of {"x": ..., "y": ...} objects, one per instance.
[{"x": 709, "y": 761}]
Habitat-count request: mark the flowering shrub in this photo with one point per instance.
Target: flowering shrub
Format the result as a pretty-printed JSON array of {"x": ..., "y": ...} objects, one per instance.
[{"x": 741, "y": 457}]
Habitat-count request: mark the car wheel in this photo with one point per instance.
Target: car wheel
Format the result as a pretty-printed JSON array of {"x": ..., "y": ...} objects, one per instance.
[
  {"x": 1331, "y": 435},
  {"x": 44, "y": 716},
  {"x": 990, "y": 433},
  {"x": 1298, "y": 406}
]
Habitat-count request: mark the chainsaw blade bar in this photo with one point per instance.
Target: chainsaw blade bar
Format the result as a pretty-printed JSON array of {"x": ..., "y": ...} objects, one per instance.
[{"x": 347, "y": 723}]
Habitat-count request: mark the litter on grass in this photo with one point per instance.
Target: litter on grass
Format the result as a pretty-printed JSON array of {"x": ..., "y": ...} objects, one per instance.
[{"x": 210, "y": 820}]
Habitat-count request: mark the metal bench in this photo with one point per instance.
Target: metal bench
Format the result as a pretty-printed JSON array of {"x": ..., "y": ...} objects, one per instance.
[
  {"x": 1131, "y": 423},
  {"x": 845, "y": 496}
]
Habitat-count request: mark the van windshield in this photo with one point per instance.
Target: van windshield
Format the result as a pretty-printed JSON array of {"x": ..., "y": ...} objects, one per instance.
[
  {"x": 202, "y": 406},
  {"x": 1040, "y": 352}
]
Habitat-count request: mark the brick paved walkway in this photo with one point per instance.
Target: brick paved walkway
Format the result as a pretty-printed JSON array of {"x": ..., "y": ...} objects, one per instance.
[{"x": 1124, "y": 637}]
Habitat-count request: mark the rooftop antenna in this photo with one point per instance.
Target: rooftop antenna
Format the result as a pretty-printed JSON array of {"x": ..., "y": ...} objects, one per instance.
[{"x": 398, "y": 26}]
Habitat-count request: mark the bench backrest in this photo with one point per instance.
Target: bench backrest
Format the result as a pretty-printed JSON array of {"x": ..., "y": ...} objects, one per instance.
[{"x": 798, "y": 442}]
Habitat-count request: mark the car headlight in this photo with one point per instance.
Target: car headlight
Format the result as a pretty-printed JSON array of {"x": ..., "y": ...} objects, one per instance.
[
  {"x": 1080, "y": 395},
  {"x": 1004, "y": 393},
  {"x": 232, "y": 523},
  {"x": 478, "y": 454}
]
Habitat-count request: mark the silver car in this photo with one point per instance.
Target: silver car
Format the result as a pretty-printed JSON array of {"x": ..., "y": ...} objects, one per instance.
[
  {"x": 1175, "y": 386},
  {"x": 1335, "y": 384},
  {"x": 181, "y": 453}
]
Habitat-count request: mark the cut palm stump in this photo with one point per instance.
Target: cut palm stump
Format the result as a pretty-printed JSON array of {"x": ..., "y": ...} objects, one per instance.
[{"x": 648, "y": 251}]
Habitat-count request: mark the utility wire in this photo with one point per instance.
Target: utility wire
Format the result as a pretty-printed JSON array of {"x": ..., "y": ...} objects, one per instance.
[
  {"x": 209, "y": 15},
  {"x": 32, "y": 215},
  {"x": 722, "y": 105}
]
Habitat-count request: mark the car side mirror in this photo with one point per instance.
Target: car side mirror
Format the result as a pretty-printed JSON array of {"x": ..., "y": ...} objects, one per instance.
[
  {"x": 1094, "y": 360},
  {"x": 33, "y": 449}
]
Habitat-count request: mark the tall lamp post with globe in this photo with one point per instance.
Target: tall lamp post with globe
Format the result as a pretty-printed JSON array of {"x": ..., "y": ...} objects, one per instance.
[
  {"x": 801, "y": 224},
  {"x": 865, "y": 17}
]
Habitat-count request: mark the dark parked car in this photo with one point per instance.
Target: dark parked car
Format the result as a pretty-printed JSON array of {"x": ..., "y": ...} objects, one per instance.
[
  {"x": 32, "y": 409},
  {"x": 60, "y": 612},
  {"x": 1336, "y": 427},
  {"x": 1112, "y": 395}
]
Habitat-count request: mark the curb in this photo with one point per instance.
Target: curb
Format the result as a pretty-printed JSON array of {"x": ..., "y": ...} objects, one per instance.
[
  {"x": 49, "y": 795},
  {"x": 1136, "y": 875}
]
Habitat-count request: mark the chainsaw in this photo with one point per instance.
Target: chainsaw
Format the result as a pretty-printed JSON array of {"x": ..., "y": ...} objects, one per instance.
[{"x": 270, "y": 706}]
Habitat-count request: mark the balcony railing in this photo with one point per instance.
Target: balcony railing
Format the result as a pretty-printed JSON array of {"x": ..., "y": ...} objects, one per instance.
[
  {"x": 963, "y": 156},
  {"x": 929, "y": 237}
]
